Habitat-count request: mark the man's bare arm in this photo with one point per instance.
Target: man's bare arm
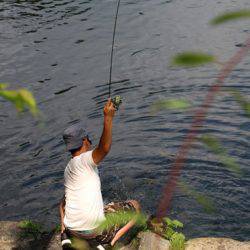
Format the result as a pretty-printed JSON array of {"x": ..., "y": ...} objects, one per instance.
[
  {"x": 62, "y": 212},
  {"x": 129, "y": 225},
  {"x": 106, "y": 139}
]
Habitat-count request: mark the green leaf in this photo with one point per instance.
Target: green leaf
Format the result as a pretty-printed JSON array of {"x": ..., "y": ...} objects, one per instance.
[
  {"x": 177, "y": 241},
  {"x": 231, "y": 164},
  {"x": 24, "y": 224},
  {"x": 57, "y": 228},
  {"x": 30, "y": 229},
  {"x": 214, "y": 145},
  {"x": 28, "y": 99},
  {"x": 20, "y": 98},
  {"x": 247, "y": 109},
  {"x": 168, "y": 221},
  {"x": 171, "y": 104},
  {"x": 230, "y": 16},
  {"x": 192, "y": 59},
  {"x": 173, "y": 223},
  {"x": 28, "y": 224},
  {"x": 205, "y": 201},
  {"x": 177, "y": 224},
  {"x": 245, "y": 104},
  {"x": 168, "y": 233},
  {"x": 3, "y": 86},
  {"x": 121, "y": 218}
]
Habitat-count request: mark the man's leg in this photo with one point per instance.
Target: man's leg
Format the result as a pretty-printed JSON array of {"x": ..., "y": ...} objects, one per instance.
[{"x": 129, "y": 225}]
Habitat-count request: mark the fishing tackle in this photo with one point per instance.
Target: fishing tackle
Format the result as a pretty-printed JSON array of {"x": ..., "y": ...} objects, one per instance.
[{"x": 117, "y": 100}]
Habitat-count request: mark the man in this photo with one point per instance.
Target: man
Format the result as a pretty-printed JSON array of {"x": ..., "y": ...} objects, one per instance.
[{"x": 82, "y": 209}]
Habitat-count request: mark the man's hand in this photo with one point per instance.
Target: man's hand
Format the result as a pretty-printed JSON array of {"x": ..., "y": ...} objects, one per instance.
[
  {"x": 106, "y": 139},
  {"x": 109, "y": 109}
]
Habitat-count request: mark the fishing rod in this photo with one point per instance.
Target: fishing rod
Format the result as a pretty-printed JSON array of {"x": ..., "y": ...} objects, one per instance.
[{"x": 117, "y": 100}]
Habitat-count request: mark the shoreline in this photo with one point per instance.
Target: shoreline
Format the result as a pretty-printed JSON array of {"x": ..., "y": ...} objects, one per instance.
[{"x": 12, "y": 236}]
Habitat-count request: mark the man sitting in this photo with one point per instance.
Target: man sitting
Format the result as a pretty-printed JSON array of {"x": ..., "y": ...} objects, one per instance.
[{"x": 82, "y": 209}]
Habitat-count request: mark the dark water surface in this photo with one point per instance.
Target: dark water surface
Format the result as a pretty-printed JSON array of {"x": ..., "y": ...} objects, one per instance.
[{"x": 60, "y": 51}]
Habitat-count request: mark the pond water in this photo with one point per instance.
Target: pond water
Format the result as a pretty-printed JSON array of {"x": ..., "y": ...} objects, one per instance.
[{"x": 49, "y": 46}]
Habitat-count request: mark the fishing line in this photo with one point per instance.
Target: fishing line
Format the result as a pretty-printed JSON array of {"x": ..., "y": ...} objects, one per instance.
[{"x": 112, "y": 47}]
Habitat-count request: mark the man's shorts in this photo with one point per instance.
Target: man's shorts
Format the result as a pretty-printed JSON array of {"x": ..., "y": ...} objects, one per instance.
[{"x": 106, "y": 236}]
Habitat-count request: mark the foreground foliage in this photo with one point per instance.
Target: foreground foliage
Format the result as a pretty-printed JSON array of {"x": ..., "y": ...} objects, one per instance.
[
  {"x": 230, "y": 16},
  {"x": 165, "y": 227},
  {"x": 192, "y": 59},
  {"x": 171, "y": 104},
  {"x": 21, "y": 98}
]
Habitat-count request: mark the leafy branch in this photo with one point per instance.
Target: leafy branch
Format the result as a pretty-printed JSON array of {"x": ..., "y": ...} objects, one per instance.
[
  {"x": 166, "y": 228},
  {"x": 192, "y": 59},
  {"x": 197, "y": 59},
  {"x": 171, "y": 104},
  {"x": 230, "y": 16},
  {"x": 121, "y": 218},
  {"x": 21, "y": 98}
]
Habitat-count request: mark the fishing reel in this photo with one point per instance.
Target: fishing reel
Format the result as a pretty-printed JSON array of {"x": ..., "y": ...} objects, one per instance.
[{"x": 117, "y": 100}]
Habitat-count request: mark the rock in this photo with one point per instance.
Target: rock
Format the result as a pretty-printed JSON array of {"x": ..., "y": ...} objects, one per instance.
[
  {"x": 55, "y": 242},
  {"x": 133, "y": 245},
  {"x": 11, "y": 237},
  {"x": 152, "y": 241},
  {"x": 216, "y": 244}
]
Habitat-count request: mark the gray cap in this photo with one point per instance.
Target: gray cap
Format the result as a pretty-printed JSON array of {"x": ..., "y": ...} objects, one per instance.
[{"x": 74, "y": 135}]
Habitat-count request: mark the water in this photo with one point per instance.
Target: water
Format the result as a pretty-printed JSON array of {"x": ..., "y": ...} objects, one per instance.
[{"x": 50, "y": 46}]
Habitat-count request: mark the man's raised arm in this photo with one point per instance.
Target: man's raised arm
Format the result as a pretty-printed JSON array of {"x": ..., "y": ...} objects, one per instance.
[{"x": 106, "y": 139}]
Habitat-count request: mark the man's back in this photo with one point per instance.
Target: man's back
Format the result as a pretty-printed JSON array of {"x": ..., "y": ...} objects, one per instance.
[{"x": 84, "y": 204}]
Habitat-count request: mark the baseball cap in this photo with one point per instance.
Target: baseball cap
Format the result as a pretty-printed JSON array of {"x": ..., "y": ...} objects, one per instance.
[{"x": 74, "y": 135}]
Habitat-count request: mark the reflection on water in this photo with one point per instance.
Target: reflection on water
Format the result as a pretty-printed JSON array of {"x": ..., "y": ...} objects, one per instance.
[{"x": 60, "y": 51}]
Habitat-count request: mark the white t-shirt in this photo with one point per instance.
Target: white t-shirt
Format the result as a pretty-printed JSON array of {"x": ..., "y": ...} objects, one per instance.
[{"x": 84, "y": 203}]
